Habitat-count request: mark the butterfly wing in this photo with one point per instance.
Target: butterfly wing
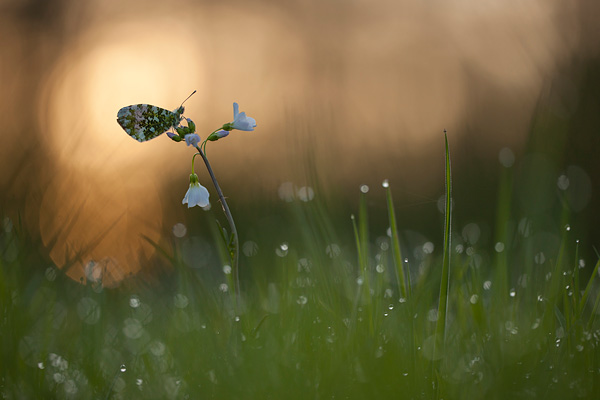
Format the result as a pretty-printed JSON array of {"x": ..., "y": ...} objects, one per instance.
[{"x": 144, "y": 121}]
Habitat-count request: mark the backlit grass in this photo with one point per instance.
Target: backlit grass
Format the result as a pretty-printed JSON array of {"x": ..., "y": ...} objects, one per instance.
[{"x": 383, "y": 315}]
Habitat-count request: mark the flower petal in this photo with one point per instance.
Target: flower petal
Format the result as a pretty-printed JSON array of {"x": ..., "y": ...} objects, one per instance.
[
  {"x": 197, "y": 195},
  {"x": 192, "y": 139},
  {"x": 236, "y": 110}
]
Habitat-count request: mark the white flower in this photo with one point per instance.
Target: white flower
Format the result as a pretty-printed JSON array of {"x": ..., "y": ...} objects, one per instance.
[
  {"x": 241, "y": 121},
  {"x": 192, "y": 139},
  {"x": 197, "y": 195}
]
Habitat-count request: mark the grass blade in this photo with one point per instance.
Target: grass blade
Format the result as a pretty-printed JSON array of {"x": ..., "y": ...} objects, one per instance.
[
  {"x": 396, "y": 253},
  {"x": 440, "y": 328}
]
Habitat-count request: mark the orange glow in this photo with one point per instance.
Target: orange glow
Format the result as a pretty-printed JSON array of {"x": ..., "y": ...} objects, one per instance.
[{"x": 364, "y": 89}]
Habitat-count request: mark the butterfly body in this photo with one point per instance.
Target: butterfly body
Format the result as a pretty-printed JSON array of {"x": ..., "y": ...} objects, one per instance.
[{"x": 144, "y": 121}]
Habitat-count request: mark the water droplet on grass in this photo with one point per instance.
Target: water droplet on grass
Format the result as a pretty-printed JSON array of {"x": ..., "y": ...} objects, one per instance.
[
  {"x": 179, "y": 230},
  {"x": 539, "y": 258},
  {"x": 286, "y": 191},
  {"x": 499, "y": 247},
  {"x": 50, "y": 274},
  {"x": 474, "y": 298},
  {"x": 380, "y": 268},
  {"x": 223, "y": 287},
  {"x": 428, "y": 247},
  {"x": 250, "y": 248},
  {"x": 134, "y": 301},
  {"x": 506, "y": 157},
  {"x": 432, "y": 315},
  {"x": 385, "y": 183},
  {"x": 512, "y": 292},
  {"x": 123, "y": 368},
  {"x": 180, "y": 300},
  {"x": 364, "y": 188},
  {"x": 359, "y": 281},
  {"x": 562, "y": 182},
  {"x": 333, "y": 250},
  {"x": 302, "y": 300},
  {"x": 305, "y": 193},
  {"x": 487, "y": 285},
  {"x": 227, "y": 269},
  {"x": 282, "y": 250}
]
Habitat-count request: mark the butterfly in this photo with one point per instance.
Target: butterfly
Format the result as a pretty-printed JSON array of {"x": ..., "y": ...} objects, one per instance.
[{"x": 145, "y": 121}]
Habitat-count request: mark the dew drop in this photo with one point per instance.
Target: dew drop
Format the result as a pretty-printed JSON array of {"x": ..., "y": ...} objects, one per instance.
[
  {"x": 227, "y": 269},
  {"x": 50, "y": 274},
  {"x": 179, "y": 230},
  {"x": 123, "y": 368},
  {"x": 380, "y": 268},
  {"x": 567, "y": 227},
  {"x": 364, "y": 188},
  {"x": 539, "y": 258},
  {"x": 333, "y": 250},
  {"x": 385, "y": 183},
  {"x": 305, "y": 193},
  {"x": 487, "y": 285},
  {"x": 302, "y": 300},
  {"x": 428, "y": 248},
  {"x": 512, "y": 292},
  {"x": 250, "y": 248},
  {"x": 506, "y": 157},
  {"x": 134, "y": 301},
  {"x": 562, "y": 182},
  {"x": 499, "y": 247},
  {"x": 282, "y": 250}
]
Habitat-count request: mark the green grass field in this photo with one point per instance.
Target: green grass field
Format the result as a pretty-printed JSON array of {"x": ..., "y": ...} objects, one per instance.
[{"x": 318, "y": 317}]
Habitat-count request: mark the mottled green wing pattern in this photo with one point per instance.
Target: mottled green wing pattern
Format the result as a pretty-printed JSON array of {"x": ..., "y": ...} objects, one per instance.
[{"x": 144, "y": 121}]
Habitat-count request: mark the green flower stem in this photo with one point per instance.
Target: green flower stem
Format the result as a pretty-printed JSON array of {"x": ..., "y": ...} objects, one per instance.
[{"x": 236, "y": 254}]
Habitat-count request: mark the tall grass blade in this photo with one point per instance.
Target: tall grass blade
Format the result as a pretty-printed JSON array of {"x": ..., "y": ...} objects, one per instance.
[
  {"x": 396, "y": 253},
  {"x": 440, "y": 328},
  {"x": 588, "y": 287}
]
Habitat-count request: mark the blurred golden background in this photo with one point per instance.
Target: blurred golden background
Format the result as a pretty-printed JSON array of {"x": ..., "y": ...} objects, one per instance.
[{"x": 362, "y": 89}]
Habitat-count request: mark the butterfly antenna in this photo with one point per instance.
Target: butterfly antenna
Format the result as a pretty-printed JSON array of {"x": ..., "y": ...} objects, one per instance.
[{"x": 188, "y": 97}]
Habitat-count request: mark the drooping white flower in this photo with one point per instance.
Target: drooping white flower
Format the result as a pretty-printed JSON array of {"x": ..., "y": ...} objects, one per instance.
[
  {"x": 241, "y": 121},
  {"x": 192, "y": 139},
  {"x": 197, "y": 195}
]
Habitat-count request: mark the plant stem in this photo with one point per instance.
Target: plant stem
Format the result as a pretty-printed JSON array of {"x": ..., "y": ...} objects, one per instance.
[{"x": 236, "y": 252}]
